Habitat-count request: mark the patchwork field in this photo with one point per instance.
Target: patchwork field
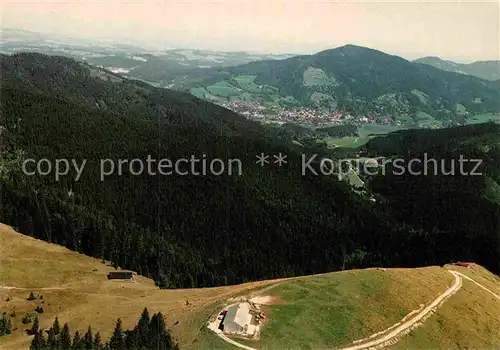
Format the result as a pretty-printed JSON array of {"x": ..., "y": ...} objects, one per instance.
[
  {"x": 223, "y": 89},
  {"x": 350, "y": 142},
  {"x": 316, "y": 77},
  {"x": 484, "y": 118},
  {"x": 243, "y": 88},
  {"x": 368, "y": 129},
  {"x": 246, "y": 82},
  {"x": 425, "y": 120},
  {"x": 366, "y": 132}
]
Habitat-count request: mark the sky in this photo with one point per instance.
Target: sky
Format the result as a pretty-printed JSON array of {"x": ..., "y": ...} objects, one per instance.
[{"x": 461, "y": 31}]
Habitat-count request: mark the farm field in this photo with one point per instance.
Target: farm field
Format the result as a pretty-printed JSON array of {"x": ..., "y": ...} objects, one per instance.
[
  {"x": 199, "y": 92},
  {"x": 351, "y": 142},
  {"x": 367, "y": 129},
  {"x": 246, "y": 82},
  {"x": 223, "y": 89},
  {"x": 366, "y": 132},
  {"x": 425, "y": 120},
  {"x": 484, "y": 118},
  {"x": 316, "y": 77},
  {"x": 243, "y": 88}
]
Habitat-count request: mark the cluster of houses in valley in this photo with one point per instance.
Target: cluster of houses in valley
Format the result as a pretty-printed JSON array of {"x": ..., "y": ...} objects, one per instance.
[{"x": 256, "y": 111}]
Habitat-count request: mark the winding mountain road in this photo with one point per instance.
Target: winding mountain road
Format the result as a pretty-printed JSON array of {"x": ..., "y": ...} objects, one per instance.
[
  {"x": 411, "y": 322},
  {"x": 391, "y": 335}
]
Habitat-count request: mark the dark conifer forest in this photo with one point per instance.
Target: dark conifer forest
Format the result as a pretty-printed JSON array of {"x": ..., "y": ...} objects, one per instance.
[{"x": 197, "y": 231}]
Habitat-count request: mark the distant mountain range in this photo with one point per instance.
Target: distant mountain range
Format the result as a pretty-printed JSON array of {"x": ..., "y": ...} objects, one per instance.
[
  {"x": 428, "y": 92},
  {"x": 355, "y": 79},
  {"x": 121, "y": 57},
  {"x": 489, "y": 70}
]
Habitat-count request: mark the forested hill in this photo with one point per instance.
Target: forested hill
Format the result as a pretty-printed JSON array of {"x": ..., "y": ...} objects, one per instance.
[
  {"x": 460, "y": 205},
  {"x": 182, "y": 230},
  {"x": 91, "y": 88},
  {"x": 489, "y": 70},
  {"x": 363, "y": 80}
]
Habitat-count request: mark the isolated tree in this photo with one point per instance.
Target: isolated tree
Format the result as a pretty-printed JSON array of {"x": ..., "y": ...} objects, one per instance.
[
  {"x": 143, "y": 327},
  {"x": 3, "y": 326},
  {"x": 117, "y": 342},
  {"x": 76, "y": 339},
  {"x": 27, "y": 319},
  {"x": 56, "y": 326},
  {"x": 36, "y": 325},
  {"x": 97, "y": 341},
  {"x": 88, "y": 339},
  {"x": 38, "y": 342},
  {"x": 8, "y": 327},
  {"x": 159, "y": 337},
  {"x": 52, "y": 340},
  {"x": 154, "y": 332},
  {"x": 65, "y": 337}
]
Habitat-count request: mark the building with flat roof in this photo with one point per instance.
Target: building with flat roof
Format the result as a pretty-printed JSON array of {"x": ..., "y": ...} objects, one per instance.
[{"x": 120, "y": 275}]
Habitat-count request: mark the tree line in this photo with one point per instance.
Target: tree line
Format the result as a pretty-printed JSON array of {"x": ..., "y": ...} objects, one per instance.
[{"x": 149, "y": 333}]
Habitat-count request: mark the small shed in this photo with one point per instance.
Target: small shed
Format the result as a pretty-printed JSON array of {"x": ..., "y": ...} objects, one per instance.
[{"x": 120, "y": 275}]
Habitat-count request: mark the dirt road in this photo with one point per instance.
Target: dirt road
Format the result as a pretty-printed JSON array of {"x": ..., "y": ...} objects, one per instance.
[
  {"x": 479, "y": 285},
  {"x": 32, "y": 289},
  {"x": 380, "y": 342},
  {"x": 392, "y": 334}
]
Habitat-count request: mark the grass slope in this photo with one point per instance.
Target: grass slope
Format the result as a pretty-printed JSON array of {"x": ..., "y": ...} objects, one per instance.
[
  {"x": 469, "y": 320},
  {"x": 313, "y": 312},
  {"x": 75, "y": 289},
  {"x": 333, "y": 310}
]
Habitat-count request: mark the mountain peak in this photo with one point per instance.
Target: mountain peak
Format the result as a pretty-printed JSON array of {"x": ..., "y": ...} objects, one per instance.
[
  {"x": 347, "y": 49},
  {"x": 351, "y": 50}
]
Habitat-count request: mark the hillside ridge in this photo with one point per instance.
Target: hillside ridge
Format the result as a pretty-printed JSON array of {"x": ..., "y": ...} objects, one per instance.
[{"x": 83, "y": 281}]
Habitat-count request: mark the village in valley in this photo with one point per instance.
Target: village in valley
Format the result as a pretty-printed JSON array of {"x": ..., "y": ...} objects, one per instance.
[{"x": 306, "y": 116}]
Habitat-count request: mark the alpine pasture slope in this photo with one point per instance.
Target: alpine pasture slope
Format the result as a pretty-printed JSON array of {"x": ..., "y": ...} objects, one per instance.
[
  {"x": 324, "y": 311},
  {"x": 76, "y": 290}
]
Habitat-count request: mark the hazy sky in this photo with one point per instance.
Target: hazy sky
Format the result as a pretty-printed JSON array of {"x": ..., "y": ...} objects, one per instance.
[{"x": 449, "y": 29}]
